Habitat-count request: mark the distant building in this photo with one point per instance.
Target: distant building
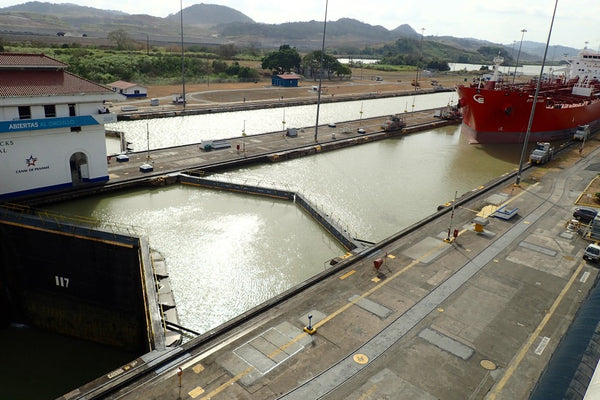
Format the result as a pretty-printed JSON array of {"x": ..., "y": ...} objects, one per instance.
[
  {"x": 289, "y": 79},
  {"x": 51, "y": 126},
  {"x": 128, "y": 89}
]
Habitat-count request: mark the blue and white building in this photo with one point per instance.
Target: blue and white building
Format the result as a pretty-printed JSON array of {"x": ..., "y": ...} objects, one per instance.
[
  {"x": 129, "y": 89},
  {"x": 51, "y": 126}
]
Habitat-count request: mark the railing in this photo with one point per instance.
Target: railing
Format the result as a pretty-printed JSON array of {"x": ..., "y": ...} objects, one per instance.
[{"x": 70, "y": 223}]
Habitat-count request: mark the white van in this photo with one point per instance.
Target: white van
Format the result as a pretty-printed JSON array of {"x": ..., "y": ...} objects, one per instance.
[{"x": 592, "y": 253}]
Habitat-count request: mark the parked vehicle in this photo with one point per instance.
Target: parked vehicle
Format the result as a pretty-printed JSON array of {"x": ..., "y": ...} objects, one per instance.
[
  {"x": 585, "y": 214},
  {"x": 592, "y": 253},
  {"x": 393, "y": 123},
  {"x": 582, "y": 132},
  {"x": 542, "y": 153}
]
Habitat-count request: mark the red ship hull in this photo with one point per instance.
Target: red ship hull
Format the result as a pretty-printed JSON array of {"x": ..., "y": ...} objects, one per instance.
[{"x": 501, "y": 115}]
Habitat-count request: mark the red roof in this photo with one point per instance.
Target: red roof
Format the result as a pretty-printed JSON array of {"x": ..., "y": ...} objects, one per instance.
[
  {"x": 24, "y": 60},
  {"x": 44, "y": 83},
  {"x": 122, "y": 84}
]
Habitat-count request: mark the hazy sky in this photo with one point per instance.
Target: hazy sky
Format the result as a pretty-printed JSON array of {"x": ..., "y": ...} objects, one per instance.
[{"x": 576, "y": 22}]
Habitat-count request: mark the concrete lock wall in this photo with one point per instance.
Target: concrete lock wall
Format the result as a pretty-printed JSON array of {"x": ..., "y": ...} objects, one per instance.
[{"x": 71, "y": 283}]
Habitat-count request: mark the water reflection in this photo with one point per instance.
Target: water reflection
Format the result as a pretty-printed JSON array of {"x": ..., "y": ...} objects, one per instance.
[
  {"x": 225, "y": 252},
  {"x": 380, "y": 188}
]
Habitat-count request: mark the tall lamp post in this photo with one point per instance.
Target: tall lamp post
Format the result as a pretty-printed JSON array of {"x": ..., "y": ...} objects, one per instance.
[
  {"x": 519, "y": 53},
  {"x": 535, "y": 97},
  {"x": 321, "y": 72},
  {"x": 420, "y": 56},
  {"x": 182, "y": 59}
]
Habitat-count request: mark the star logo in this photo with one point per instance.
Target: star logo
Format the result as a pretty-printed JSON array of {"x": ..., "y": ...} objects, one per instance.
[{"x": 31, "y": 161}]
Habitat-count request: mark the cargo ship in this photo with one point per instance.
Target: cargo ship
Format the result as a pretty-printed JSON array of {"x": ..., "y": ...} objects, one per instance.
[{"x": 497, "y": 111}]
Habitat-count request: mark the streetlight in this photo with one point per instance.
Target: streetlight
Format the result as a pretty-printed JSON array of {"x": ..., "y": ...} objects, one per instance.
[
  {"x": 182, "y": 59},
  {"x": 519, "y": 53},
  {"x": 535, "y": 97},
  {"x": 420, "y": 56},
  {"x": 321, "y": 72}
]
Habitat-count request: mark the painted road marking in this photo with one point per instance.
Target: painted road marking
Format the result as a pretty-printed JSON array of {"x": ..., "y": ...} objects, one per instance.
[
  {"x": 198, "y": 368},
  {"x": 347, "y": 274},
  {"x": 196, "y": 392},
  {"x": 542, "y": 346},
  {"x": 360, "y": 358},
  {"x": 525, "y": 348},
  {"x": 584, "y": 277}
]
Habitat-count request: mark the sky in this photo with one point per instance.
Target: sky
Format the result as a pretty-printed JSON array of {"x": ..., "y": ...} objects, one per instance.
[{"x": 576, "y": 22}]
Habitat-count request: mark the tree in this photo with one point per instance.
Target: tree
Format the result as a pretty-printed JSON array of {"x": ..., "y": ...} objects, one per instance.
[
  {"x": 343, "y": 71},
  {"x": 312, "y": 63},
  {"x": 283, "y": 60},
  {"x": 121, "y": 39}
]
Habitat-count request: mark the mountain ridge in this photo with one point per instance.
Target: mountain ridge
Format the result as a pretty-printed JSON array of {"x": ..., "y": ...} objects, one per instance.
[{"x": 216, "y": 24}]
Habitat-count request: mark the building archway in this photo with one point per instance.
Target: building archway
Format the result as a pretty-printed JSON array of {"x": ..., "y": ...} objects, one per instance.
[{"x": 79, "y": 168}]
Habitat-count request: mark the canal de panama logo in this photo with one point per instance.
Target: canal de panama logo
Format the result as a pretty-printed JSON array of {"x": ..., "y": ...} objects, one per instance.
[
  {"x": 31, "y": 166},
  {"x": 31, "y": 161}
]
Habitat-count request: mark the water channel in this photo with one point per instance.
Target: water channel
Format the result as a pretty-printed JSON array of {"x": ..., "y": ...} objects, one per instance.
[
  {"x": 229, "y": 252},
  {"x": 177, "y": 131}
]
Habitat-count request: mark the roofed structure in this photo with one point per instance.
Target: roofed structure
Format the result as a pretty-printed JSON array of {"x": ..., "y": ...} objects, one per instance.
[{"x": 40, "y": 75}]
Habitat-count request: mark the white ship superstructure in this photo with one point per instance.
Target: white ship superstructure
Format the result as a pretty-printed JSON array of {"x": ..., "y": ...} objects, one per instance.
[{"x": 51, "y": 126}]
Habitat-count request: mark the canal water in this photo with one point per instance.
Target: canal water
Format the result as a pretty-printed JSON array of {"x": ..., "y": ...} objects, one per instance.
[
  {"x": 229, "y": 252},
  {"x": 176, "y": 131}
]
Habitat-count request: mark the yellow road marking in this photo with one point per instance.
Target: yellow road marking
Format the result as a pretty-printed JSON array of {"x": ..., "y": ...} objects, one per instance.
[
  {"x": 347, "y": 274},
  {"x": 525, "y": 348},
  {"x": 196, "y": 392},
  {"x": 227, "y": 384},
  {"x": 198, "y": 368},
  {"x": 360, "y": 359}
]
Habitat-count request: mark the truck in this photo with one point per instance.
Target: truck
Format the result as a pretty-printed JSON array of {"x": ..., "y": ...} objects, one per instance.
[
  {"x": 582, "y": 133},
  {"x": 178, "y": 98},
  {"x": 542, "y": 153},
  {"x": 393, "y": 123}
]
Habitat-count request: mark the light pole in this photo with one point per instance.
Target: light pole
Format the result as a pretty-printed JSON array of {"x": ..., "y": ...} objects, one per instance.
[
  {"x": 182, "y": 59},
  {"x": 535, "y": 97},
  {"x": 519, "y": 53},
  {"x": 321, "y": 72},
  {"x": 419, "y": 59}
]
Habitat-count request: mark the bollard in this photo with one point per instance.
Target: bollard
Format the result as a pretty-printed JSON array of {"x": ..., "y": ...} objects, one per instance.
[
  {"x": 309, "y": 329},
  {"x": 180, "y": 374}
]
